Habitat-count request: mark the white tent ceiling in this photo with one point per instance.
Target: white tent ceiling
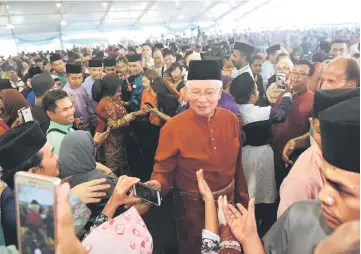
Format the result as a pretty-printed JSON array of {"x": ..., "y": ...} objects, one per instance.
[
  {"x": 28, "y": 17},
  {"x": 43, "y": 18}
]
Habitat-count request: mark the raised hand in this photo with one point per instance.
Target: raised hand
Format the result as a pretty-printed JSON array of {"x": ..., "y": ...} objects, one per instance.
[
  {"x": 66, "y": 241},
  {"x": 203, "y": 187},
  {"x": 241, "y": 221},
  {"x": 124, "y": 184},
  {"x": 99, "y": 138},
  {"x": 92, "y": 191}
]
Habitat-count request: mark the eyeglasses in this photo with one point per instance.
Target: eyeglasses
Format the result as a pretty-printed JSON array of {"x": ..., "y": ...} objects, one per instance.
[
  {"x": 297, "y": 74},
  {"x": 209, "y": 94},
  {"x": 284, "y": 69}
]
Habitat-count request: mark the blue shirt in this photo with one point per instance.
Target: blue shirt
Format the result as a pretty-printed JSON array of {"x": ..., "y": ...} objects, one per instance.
[
  {"x": 31, "y": 98},
  {"x": 137, "y": 92}
]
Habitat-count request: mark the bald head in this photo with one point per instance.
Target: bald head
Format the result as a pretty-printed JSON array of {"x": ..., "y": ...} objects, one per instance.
[
  {"x": 158, "y": 58},
  {"x": 341, "y": 73}
]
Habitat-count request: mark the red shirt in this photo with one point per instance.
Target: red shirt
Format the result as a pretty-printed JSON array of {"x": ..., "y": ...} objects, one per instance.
[{"x": 296, "y": 124}]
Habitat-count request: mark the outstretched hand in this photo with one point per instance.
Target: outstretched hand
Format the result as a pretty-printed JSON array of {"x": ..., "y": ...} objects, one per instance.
[{"x": 242, "y": 221}]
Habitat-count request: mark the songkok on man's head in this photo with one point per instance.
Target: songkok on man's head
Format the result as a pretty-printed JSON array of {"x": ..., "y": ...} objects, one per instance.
[
  {"x": 340, "y": 135},
  {"x": 134, "y": 58},
  {"x": 273, "y": 49},
  {"x": 110, "y": 62},
  {"x": 42, "y": 83},
  {"x": 20, "y": 144},
  {"x": 242, "y": 87},
  {"x": 327, "y": 98},
  {"x": 55, "y": 57},
  {"x": 244, "y": 47},
  {"x": 204, "y": 70},
  {"x": 73, "y": 68},
  {"x": 95, "y": 63}
]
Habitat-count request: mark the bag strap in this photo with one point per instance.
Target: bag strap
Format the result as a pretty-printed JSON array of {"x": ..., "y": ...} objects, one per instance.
[{"x": 56, "y": 130}]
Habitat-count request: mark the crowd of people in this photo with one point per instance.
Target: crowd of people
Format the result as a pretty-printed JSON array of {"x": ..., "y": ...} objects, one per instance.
[{"x": 255, "y": 152}]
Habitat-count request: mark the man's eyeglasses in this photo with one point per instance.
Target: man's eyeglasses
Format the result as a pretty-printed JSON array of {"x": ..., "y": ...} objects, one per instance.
[{"x": 209, "y": 94}]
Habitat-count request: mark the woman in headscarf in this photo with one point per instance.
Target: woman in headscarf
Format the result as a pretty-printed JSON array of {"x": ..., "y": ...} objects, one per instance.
[
  {"x": 77, "y": 165},
  {"x": 11, "y": 101},
  {"x": 111, "y": 113}
]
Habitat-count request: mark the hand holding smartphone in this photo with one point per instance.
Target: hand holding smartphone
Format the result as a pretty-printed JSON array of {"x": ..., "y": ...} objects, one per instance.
[
  {"x": 35, "y": 206},
  {"x": 281, "y": 79},
  {"x": 147, "y": 193},
  {"x": 25, "y": 115}
]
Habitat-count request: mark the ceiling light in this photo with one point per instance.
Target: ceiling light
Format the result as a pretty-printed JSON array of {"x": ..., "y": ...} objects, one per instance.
[
  {"x": 105, "y": 4},
  {"x": 58, "y": 5},
  {"x": 10, "y": 26},
  {"x": 177, "y": 3},
  {"x": 7, "y": 6},
  {"x": 181, "y": 17},
  {"x": 63, "y": 23}
]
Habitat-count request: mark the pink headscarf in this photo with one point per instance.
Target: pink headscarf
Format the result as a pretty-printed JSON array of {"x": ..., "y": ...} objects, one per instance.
[{"x": 126, "y": 233}]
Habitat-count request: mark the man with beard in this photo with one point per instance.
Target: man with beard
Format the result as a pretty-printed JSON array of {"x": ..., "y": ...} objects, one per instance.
[{"x": 241, "y": 57}]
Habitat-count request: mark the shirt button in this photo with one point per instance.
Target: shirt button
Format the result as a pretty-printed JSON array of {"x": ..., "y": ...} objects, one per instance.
[
  {"x": 212, "y": 139},
  {"x": 211, "y": 130},
  {"x": 215, "y": 148}
]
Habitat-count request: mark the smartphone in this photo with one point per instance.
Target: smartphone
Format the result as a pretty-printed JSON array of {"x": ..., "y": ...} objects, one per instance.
[
  {"x": 147, "y": 193},
  {"x": 25, "y": 114},
  {"x": 150, "y": 105},
  {"x": 281, "y": 78},
  {"x": 35, "y": 207}
]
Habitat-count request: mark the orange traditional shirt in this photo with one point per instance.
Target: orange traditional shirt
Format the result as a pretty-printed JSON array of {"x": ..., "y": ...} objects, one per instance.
[
  {"x": 147, "y": 96},
  {"x": 188, "y": 143}
]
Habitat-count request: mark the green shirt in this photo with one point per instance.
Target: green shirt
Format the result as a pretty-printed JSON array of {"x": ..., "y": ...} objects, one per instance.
[
  {"x": 55, "y": 138},
  {"x": 62, "y": 78}
]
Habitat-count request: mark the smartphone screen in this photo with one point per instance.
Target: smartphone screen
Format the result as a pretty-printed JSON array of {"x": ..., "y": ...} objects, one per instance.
[
  {"x": 281, "y": 78},
  {"x": 35, "y": 210},
  {"x": 147, "y": 193}
]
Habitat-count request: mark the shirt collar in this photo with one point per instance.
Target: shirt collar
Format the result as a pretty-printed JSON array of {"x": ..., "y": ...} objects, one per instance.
[
  {"x": 200, "y": 118},
  {"x": 244, "y": 68},
  {"x": 62, "y": 127}
]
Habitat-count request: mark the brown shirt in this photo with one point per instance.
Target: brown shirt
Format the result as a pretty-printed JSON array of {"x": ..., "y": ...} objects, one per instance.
[{"x": 188, "y": 143}]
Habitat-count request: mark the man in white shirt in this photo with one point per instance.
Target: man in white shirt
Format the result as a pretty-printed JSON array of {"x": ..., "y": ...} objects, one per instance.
[
  {"x": 268, "y": 66},
  {"x": 241, "y": 56},
  {"x": 147, "y": 59},
  {"x": 15, "y": 81}
]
